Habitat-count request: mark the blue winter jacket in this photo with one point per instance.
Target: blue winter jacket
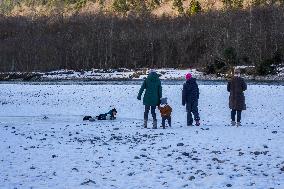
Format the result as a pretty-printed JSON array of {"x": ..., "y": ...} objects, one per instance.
[{"x": 190, "y": 92}]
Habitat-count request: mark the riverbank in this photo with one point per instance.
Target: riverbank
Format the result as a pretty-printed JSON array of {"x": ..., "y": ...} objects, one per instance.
[
  {"x": 123, "y": 75},
  {"x": 137, "y": 82}
]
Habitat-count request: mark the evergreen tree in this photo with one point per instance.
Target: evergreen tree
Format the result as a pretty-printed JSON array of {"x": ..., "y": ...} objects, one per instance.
[
  {"x": 258, "y": 2},
  {"x": 234, "y": 4},
  {"x": 80, "y": 4},
  {"x": 230, "y": 57},
  {"x": 238, "y": 4},
  {"x": 194, "y": 8},
  {"x": 138, "y": 6},
  {"x": 153, "y": 4},
  {"x": 177, "y": 4},
  {"x": 101, "y": 3},
  {"x": 120, "y": 6},
  {"x": 6, "y": 6}
]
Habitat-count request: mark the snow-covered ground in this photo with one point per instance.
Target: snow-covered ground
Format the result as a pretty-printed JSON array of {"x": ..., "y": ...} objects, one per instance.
[{"x": 45, "y": 144}]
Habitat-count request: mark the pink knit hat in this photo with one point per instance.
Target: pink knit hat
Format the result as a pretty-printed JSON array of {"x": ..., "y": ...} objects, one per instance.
[{"x": 188, "y": 76}]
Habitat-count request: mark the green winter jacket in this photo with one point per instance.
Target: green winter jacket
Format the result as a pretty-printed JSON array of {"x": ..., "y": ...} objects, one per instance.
[{"x": 153, "y": 90}]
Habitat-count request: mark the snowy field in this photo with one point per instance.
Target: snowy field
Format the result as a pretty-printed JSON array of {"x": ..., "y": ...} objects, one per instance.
[{"x": 45, "y": 144}]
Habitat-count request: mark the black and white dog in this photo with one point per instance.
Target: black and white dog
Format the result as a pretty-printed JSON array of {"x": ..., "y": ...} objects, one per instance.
[{"x": 107, "y": 116}]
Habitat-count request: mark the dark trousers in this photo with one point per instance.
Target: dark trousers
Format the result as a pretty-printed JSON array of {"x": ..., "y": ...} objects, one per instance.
[
  {"x": 239, "y": 115},
  {"x": 164, "y": 121},
  {"x": 192, "y": 108},
  {"x": 147, "y": 109}
]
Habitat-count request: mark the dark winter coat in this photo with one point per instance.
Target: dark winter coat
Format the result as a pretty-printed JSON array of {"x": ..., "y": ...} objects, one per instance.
[
  {"x": 153, "y": 92},
  {"x": 190, "y": 92},
  {"x": 236, "y": 87}
]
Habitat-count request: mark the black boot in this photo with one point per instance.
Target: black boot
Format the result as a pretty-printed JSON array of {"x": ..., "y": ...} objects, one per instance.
[{"x": 145, "y": 123}]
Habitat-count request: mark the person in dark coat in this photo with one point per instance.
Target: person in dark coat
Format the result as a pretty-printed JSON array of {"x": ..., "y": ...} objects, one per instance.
[
  {"x": 236, "y": 86},
  {"x": 151, "y": 99},
  {"x": 190, "y": 96}
]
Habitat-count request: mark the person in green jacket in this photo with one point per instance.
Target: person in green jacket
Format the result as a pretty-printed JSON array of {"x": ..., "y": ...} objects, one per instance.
[{"x": 152, "y": 96}]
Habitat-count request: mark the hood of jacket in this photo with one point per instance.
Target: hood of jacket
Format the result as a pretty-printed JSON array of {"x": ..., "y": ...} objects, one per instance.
[{"x": 153, "y": 77}]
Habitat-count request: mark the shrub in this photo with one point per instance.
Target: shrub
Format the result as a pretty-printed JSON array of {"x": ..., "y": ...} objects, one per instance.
[
  {"x": 218, "y": 67},
  {"x": 265, "y": 67},
  {"x": 230, "y": 56},
  {"x": 269, "y": 65},
  {"x": 278, "y": 57},
  {"x": 209, "y": 69}
]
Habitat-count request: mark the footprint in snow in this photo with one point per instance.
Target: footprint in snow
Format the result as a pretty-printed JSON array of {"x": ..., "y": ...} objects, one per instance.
[{"x": 88, "y": 182}]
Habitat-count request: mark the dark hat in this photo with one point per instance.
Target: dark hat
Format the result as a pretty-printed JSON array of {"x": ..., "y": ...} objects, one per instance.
[{"x": 164, "y": 101}]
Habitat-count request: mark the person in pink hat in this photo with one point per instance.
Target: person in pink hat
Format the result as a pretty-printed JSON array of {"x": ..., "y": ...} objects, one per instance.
[{"x": 190, "y": 96}]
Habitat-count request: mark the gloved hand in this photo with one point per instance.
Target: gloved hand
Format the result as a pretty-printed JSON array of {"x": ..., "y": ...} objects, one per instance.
[{"x": 139, "y": 97}]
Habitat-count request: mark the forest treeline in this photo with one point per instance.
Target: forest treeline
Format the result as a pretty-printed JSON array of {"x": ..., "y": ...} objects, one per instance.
[{"x": 213, "y": 40}]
